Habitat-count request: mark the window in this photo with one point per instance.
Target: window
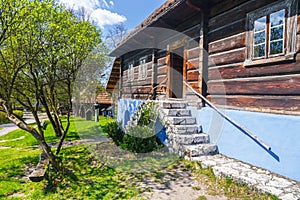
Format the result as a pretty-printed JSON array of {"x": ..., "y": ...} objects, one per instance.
[
  {"x": 143, "y": 69},
  {"x": 269, "y": 35},
  {"x": 130, "y": 72},
  {"x": 271, "y": 32}
]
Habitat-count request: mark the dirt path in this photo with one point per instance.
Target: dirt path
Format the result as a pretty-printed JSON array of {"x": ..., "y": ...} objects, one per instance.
[
  {"x": 178, "y": 184},
  {"x": 7, "y": 128}
]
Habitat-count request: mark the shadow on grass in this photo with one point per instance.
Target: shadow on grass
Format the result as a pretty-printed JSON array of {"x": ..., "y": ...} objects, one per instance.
[{"x": 87, "y": 178}]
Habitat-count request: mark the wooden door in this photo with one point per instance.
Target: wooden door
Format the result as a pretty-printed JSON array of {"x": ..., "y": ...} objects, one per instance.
[{"x": 176, "y": 73}]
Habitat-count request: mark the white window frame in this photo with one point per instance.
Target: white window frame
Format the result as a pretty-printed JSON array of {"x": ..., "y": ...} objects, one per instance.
[
  {"x": 143, "y": 68},
  {"x": 130, "y": 72},
  {"x": 290, "y": 32}
]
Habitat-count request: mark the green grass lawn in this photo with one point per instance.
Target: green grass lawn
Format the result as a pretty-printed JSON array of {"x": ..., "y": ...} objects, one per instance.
[{"x": 90, "y": 176}]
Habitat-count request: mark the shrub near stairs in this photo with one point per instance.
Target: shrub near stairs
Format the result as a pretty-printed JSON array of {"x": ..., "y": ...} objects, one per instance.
[
  {"x": 141, "y": 139},
  {"x": 138, "y": 139},
  {"x": 114, "y": 132}
]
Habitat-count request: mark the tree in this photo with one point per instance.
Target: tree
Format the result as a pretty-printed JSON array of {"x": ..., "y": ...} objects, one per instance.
[
  {"x": 115, "y": 35},
  {"x": 41, "y": 56}
]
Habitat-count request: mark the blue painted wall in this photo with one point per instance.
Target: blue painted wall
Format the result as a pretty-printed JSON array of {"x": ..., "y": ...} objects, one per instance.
[
  {"x": 281, "y": 132},
  {"x": 126, "y": 109}
]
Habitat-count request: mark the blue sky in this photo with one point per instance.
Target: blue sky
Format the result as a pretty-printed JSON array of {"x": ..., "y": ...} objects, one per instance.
[
  {"x": 106, "y": 13},
  {"x": 136, "y": 10}
]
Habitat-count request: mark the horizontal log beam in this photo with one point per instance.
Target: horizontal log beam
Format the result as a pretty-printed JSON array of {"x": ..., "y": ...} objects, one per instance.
[
  {"x": 234, "y": 13},
  {"x": 227, "y": 30},
  {"x": 233, "y": 42},
  {"x": 192, "y": 75},
  {"x": 273, "y": 104},
  {"x": 136, "y": 90},
  {"x": 235, "y": 56},
  {"x": 193, "y": 53},
  {"x": 162, "y": 70},
  {"x": 225, "y": 6},
  {"x": 161, "y": 61},
  {"x": 193, "y": 64},
  {"x": 271, "y": 85},
  {"x": 239, "y": 71}
]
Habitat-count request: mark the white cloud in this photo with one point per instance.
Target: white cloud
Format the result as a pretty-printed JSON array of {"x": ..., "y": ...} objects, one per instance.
[
  {"x": 105, "y": 3},
  {"x": 89, "y": 5},
  {"x": 105, "y": 17},
  {"x": 98, "y": 9}
]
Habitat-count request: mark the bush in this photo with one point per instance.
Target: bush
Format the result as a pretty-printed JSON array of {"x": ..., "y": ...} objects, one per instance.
[
  {"x": 141, "y": 139},
  {"x": 148, "y": 115},
  {"x": 3, "y": 118},
  {"x": 114, "y": 132}
]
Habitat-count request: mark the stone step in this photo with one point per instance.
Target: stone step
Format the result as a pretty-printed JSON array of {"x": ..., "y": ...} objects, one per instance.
[
  {"x": 200, "y": 150},
  {"x": 177, "y": 112},
  {"x": 173, "y": 105},
  {"x": 187, "y": 129},
  {"x": 200, "y": 138},
  {"x": 182, "y": 120}
]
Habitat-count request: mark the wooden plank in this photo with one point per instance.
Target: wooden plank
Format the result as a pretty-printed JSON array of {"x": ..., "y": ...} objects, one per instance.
[
  {"x": 192, "y": 75},
  {"x": 237, "y": 12},
  {"x": 224, "y": 6},
  {"x": 136, "y": 90},
  {"x": 195, "y": 86},
  {"x": 234, "y": 42},
  {"x": 298, "y": 25},
  {"x": 193, "y": 53},
  {"x": 184, "y": 72},
  {"x": 161, "y": 89},
  {"x": 239, "y": 71},
  {"x": 162, "y": 70},
  {"x": 228, "y": 57},
  {"x": 193, "y": 64},
  {"x": 161, "y": 61},
  {"x": 273, "y": 104},
  {"x": 227, "y": 30},
  {"x": 149, "y": 66},
  {"x": 138, "y": 82},
  {"x": 161, "y": 79},
  {"x": 271, "y": 85},
  {"x": 298, "y": 41}
]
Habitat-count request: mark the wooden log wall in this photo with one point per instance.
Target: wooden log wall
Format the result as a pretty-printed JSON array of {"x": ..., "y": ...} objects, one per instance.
[
  {"x": 194, "y": 75},
  {"x": 271, "y": 87},
  {"x": 138, "y": 88},
  {"x": 161, "y": 77}
]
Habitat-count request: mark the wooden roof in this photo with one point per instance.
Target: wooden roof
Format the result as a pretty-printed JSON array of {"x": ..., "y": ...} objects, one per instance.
[
  {"x": 104, "y": 98},
  {"x": 169, "y": 15},
  {"x": 114, "y": 77}
]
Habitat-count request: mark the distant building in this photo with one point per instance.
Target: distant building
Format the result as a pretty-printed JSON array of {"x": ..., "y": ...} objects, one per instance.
[{"x": 105, "y": 104}]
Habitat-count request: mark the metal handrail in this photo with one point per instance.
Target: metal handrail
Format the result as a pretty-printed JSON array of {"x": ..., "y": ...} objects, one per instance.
[{"x": 246, "y": 131}]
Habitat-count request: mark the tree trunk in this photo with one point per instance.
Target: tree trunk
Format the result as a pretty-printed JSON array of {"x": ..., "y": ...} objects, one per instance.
[{"x": 22, "y": 125}]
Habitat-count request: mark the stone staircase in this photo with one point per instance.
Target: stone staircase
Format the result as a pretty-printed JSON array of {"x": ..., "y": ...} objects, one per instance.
[{"x": 184, "y": 134}]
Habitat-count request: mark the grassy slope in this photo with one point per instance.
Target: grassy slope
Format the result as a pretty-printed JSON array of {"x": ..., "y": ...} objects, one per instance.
[{"x": 90, "y": 178}]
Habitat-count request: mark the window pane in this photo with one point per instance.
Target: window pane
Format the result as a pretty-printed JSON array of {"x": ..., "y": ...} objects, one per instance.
[
  {"x": 260, "y": 24},
  {"x": 276, "y": 47},
  {"x": 277, "y": 33},
  {"x": 277, "y": 18},
  {"x": 259, "y": 37},
  {"x": 259, "y": 50}
]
